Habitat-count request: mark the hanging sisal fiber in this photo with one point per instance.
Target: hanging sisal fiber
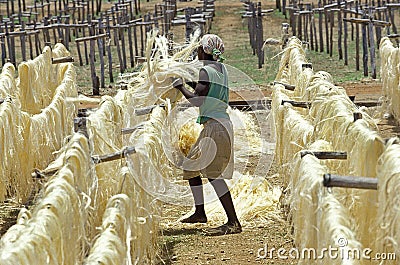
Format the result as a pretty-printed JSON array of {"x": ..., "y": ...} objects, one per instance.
[
  {"x": 319, "y": 219},
  {"x": 390, "y": 73},
  {"x": 293, "y": 131},
  {"x": 290, "y": 66},
  {"x": 112, "y": 245},
  {"x": 8, "y": 86},
  {"x": 104, "y": 128},
  {"x": 41, "y": 132},
  {"x": 39, "y": 78},
  {"x": 53, "y": 232},
  {"x": 388, "y": 236},
  {"x": 15, "y": 165},
  {"x": 153, "y": 84}
]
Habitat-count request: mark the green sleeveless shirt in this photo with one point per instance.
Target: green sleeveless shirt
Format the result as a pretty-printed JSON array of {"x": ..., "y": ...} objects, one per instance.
[{"x": 216, "y": 101}]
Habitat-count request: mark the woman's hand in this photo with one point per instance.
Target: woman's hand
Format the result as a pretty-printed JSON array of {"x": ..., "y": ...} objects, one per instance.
[{"x": 177, "y": 82}]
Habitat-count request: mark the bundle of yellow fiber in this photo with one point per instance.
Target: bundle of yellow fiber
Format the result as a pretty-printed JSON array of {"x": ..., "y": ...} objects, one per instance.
[
  {"x": 144, "y": 220},
  {"x": 247, "y": 140},
  {"x": 8, "y": 87},
  {"x": 321, "y": 84},
  {"x": 319, "y": 219},
  {"x": 49, "y": 128},
  {"x": 334, "y": 122},
  {"x": 39, "y": 78},
  {"x": 336, "y": 229},
  {"x": 256, "y": 200},
  {"x": 153, "y": 84},
  {"x": 390, "y": 75},
  {"x": 151, "y": 165},
  {"x": 306, "y": 191},
  {"x": 303, "y": 80},
  {"x": 388, "y": 170},
  {"x": 104, "y": 128},
  {"x": 293, "y": 132},
  {"x": 15, "y": 163},
  {"x": 188, "y": 135},
  {"x": 292, "y": 60},
  {"x": 55, "y": 231},
  {"x": 113, "y": 244}
]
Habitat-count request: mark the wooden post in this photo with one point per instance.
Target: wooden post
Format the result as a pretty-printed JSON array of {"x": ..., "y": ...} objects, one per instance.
[
  {"x": 130, "y": 43},
  {"x": 326, "y": 12},
  {"x": 85, "y": 48},
  {"x": 121, "y": 63},
  {"x": 121, "y": 33},
  {"x": 371, "y": 43},
  {"x": 340, "y": 32},
  {"x": 321, "y": 36},
  {"x": 3, "y": 47},
  {"x": 346, "y": 62},
  {"x": 100, "y": 44},
  {"x": 109, "y": 56},
  {"x": 95, "y": 79},
  {"x": 314, "y": 31},
  {"x": 331, "y": 19},
  {"x": 357, "y": 41},
  {"x": 259, "y": 36},
  {"x": 350, "y": 182},
  {"x": 365, "y": 47}
]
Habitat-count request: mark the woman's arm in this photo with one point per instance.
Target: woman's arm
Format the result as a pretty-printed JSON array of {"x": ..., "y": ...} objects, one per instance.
[{"x": 197, "y": 97}]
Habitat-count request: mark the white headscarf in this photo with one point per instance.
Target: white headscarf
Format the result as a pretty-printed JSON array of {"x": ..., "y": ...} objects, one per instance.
[{"x": 213, "y": 45}]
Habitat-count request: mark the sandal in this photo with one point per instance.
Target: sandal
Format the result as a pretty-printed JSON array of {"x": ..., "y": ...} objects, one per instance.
[{"x": 225, "y": 229}]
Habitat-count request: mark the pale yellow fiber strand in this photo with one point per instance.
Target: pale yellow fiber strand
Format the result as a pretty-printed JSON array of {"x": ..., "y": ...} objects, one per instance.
[
  {"x": 388, "y": 236},
  {"x": 390, "y": 73}
]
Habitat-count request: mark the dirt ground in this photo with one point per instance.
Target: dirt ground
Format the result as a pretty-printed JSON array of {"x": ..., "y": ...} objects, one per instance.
[{"x": 184, "y": 244}]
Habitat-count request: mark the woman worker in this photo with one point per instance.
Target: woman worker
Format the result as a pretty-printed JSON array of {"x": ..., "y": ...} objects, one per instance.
[{"x": 213, "y": 152}]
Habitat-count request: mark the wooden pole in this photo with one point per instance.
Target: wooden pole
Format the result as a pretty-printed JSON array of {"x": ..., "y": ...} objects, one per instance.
[
  {"x": 287, "y": 86},
  {"x": 115, "y": 156},
  {"x": 67, "y": 59},
  {"x": 299, "y": 104},
  {"x": 350, "y": 182},
  {"x": 131, "y": 130},
  {"x": 324, "y": 154}
]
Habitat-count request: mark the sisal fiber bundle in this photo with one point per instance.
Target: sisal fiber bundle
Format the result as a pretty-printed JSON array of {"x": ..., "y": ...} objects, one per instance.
[
  {"x": 112, "y": 245},
  {"x": 39, "y": 78},
  {"x": 388, "y": 171},
  {"x": 319, "y": 219},
  {"x": 8, "y": 87},
  {"x": 390, "y": 76},
  {"x": 153, "y": 84},
  {"x": 104, "y": 128},
  {"x": 15, "y": 167},
  {"x": 53, "y": 232},
  {"x": 293, "y": 57},
  {"x": 293, "y": 132}
]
